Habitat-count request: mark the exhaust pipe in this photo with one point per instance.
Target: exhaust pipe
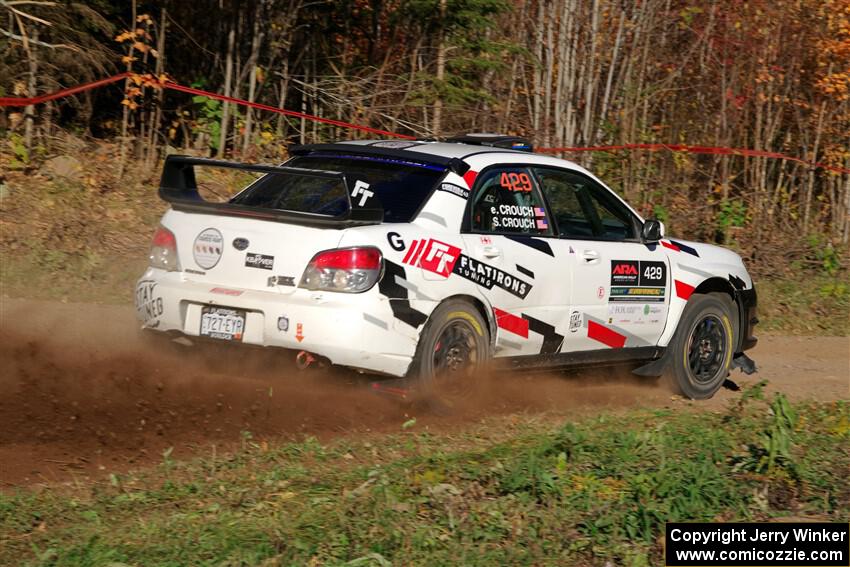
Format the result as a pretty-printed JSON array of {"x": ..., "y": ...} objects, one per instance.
[{"x": 303, "y": 360}]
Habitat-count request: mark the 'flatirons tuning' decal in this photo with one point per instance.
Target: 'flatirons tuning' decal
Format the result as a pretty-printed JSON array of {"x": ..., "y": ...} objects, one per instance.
[{"x": 488, "y": 276}]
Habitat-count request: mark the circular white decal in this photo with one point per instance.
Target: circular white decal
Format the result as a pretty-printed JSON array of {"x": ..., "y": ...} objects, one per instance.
[{"x": 207, "y": 249}]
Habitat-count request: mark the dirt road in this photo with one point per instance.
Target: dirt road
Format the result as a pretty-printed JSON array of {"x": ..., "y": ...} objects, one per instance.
[{"x": 81, "y": 395}]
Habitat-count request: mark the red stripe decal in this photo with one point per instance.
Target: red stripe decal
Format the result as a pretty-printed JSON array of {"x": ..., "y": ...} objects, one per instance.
[
  {"x": 671, "y": 246},
  {"x": 511, "y": 323},
  {"x": 469, "y": 177},
  {"x": 419, "y": 250},
  {"x": 605, "y": 335},
  {"x": 684, "y": 290},
  {"x": 410, "y": 252}
]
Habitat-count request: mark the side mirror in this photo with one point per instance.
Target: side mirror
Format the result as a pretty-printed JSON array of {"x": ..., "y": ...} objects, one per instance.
[{"x": 652, "y": 231}]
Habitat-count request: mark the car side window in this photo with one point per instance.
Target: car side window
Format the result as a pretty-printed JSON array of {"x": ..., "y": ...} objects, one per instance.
[
  {"x": 584, "y": 209},
  {"x": 507, "y": 201}
]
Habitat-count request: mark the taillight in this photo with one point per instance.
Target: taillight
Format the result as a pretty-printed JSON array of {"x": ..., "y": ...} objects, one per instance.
[
  {"x": 164, "y": 250},
  {"x": 348, "y": 270}
]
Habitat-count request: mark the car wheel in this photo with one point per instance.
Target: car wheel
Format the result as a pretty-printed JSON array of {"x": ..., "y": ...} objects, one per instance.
[
  {"x": 453, "y": 346},
  {"x": 703, "y": 346}
]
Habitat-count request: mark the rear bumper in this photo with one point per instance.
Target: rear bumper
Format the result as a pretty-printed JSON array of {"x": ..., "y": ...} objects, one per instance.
[
  {"x": 354, "y": 330},
  {"x": 747, "y": 303}
]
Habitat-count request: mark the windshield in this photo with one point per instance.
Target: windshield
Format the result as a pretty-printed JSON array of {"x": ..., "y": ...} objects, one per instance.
[{"x": 400, "y": 185}]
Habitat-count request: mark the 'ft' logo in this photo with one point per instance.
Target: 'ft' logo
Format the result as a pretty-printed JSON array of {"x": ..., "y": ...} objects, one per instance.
[
  {"x": 432, "y": 255},
  {"x": 361, "y": 188}
]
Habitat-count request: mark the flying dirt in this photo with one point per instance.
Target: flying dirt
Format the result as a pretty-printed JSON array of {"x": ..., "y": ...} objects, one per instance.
[{"x": 81, "y": 394}]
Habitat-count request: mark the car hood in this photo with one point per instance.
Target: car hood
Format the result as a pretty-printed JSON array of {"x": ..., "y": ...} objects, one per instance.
[{"x": 716, "y": 260}]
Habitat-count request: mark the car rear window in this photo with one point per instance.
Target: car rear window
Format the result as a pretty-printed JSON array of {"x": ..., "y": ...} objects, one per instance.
[{"x": 400, "y": 185}]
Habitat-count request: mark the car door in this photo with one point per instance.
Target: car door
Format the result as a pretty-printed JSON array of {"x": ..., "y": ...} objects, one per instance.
[
  {"x": 619, "y": 292},
  {"x": 507, "y": 237}
]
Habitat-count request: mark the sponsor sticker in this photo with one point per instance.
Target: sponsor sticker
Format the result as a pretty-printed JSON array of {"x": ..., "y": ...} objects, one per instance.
[
  {"x": 633, "y": 280},
  {"x": 262, "y": 261},
  {"x": 208, "y": 248},
  {"x": 635, "y": 314},
  {"x": 433, "y": 256},
  {"x": 625, "y": 272},
  {"x": 454, "y": 190},
  {"x": 148, "y": 303},
  {"x": 575, "y": 321},
  {"x": 361, "y": 189},
  {"x": 488, "y": 276},
  {"x": 655, "y": 294},
  {"x": 240, "y": 243}
]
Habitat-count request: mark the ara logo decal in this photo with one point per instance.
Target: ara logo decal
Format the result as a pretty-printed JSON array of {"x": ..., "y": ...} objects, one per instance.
[
  {"x": 625, "y": 269},
  {"x": 625, "y": 272},
  {"x": 432, "y": 255},
  {"x": 361, "y": 189}
]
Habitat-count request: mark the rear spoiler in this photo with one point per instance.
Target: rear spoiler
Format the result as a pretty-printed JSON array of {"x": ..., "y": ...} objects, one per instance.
[{"x": 179, "y": 187}]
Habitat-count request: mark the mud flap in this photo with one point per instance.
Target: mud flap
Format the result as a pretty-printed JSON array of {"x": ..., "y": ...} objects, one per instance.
[
  {"x": 652, "y": 369},
  {"x": 745, "y": 363}
]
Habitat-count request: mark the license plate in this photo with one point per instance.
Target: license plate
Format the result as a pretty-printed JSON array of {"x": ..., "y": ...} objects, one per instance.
[{"x": 222, "y": 323}]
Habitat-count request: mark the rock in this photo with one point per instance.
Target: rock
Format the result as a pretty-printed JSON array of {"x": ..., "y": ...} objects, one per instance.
[{"x": 64, "y": 167}]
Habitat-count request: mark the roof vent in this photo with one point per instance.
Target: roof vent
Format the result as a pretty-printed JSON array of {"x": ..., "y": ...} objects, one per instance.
[{"x": 493, "y": 140}]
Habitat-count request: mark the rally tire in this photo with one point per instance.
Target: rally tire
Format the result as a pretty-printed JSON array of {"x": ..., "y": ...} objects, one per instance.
[
  {"x": 702, "y": 348},
  {"x": 453, "y": 346}
]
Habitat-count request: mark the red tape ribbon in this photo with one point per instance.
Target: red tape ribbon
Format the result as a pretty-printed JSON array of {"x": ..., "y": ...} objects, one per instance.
[{"x": 22, "y": 101}]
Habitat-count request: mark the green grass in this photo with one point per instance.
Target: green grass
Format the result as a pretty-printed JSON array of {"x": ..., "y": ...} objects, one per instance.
[
  {"x": 586, "y": 492},
  {"x": 813, "y": 304}
]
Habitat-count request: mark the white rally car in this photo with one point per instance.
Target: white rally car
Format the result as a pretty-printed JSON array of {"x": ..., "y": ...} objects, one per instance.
[{"x": 420, "y": 259}]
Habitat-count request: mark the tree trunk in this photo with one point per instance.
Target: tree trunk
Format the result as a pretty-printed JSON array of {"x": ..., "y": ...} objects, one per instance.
[
  {"x": 32, "y": 81},
  {"x": 441, "y": 71},
  {"x": 256, "y": 40},
  {"x": 228, "y": 77},
  {"x": 125, "y": 113},
  {"x": 156, "y": 116}
]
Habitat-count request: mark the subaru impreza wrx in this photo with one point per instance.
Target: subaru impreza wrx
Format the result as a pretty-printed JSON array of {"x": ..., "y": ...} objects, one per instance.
[{"x": 421, "y": 259}]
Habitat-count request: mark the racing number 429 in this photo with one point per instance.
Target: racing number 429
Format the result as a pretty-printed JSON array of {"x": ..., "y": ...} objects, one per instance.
[{"x": 652, "y": 273}]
